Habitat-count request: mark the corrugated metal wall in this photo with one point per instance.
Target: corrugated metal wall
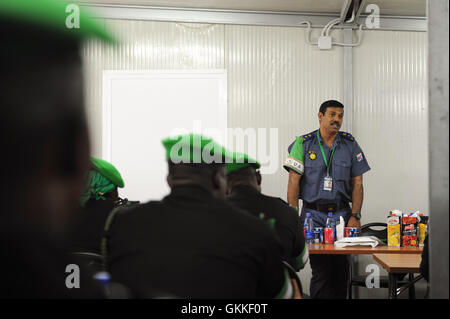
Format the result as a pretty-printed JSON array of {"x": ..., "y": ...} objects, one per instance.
[
  {"x": 390, "y": 121},
  {"x": 276, "y": 80},
  {"x": 147, "y": 45}
]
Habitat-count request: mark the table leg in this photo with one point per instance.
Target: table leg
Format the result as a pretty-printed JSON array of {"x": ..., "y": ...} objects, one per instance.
[
  {"x": 412, "y": 289},
  {"x": 350, "y": 278},
  {"x": 392, "y": 286}
]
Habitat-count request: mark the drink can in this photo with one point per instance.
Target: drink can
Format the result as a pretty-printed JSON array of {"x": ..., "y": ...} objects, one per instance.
[
  {"x": 318, "y": 234},
  {"x": 328, "y": 235},
  {"x": 351, "y": 232}
]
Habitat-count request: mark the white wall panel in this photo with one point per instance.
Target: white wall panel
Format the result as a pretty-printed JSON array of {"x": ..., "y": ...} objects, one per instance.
[
  {"x": 390, "y": 121},
  {"x": 146, "y": 45},
  {"x": 276, "y": 80}
]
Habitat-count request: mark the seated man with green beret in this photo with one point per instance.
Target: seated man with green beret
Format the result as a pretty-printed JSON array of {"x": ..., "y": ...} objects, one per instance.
[
  {"x": 99, "y": 198},
  {"x": 45, "y": 148},
  {"x": 244, "y": 187},
  {"x": 192, "y": 243}
]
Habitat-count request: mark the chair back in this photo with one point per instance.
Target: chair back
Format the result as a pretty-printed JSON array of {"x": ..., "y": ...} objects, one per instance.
[
  {"x": 293, "y": 275},
  {"x": 92, "y": 261},
  {"x": 368, "y": 230}
]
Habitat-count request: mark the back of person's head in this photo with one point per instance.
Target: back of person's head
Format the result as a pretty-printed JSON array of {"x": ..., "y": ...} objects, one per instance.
[
  {"x": 197, "y": 160},
  {"x": 243, "y": 170},
  {"x": 43, "y": 126},
  {"x": 102, "y": 182}
]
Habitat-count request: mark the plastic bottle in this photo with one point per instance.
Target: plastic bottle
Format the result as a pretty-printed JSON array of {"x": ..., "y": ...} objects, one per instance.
[
  {"x": 309, "y": 229},
  {"x": 103, "y": 277},
  {"x": 330, "y": 230}
]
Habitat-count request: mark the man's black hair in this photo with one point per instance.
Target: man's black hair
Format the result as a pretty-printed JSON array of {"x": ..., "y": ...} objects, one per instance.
[
  {"x": 242, "y": 175},
  {"x": 329, "y": 103},
  {"x": 194, "y": 170}
]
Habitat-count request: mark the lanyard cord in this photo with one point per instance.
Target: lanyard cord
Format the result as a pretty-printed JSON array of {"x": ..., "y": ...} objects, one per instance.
[{"x": 328, "y": 165}]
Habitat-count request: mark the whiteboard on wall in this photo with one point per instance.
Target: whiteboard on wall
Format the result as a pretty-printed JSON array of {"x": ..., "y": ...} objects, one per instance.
[{"x": 140, "y": 108}]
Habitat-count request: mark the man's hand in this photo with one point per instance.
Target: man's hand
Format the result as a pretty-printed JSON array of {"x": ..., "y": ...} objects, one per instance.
[{"x": 354, "y": 222}]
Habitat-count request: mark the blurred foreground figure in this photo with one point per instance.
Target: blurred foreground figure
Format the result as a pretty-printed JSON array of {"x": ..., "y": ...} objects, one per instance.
[
  {"x": 193, "y": 244},
  {"x": 45, "y": 148}
]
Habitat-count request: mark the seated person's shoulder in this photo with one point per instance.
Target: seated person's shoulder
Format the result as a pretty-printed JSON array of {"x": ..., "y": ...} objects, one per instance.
[
  {"x": 137, "y": 209},
  {"x": 241, "y": 220},
  {"x": 280, "y": 205}
]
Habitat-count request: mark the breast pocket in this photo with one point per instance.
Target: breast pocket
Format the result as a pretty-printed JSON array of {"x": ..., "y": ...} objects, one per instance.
[
  {"x": 313, "y": 170},
  {"x": 341, "y": 170}
]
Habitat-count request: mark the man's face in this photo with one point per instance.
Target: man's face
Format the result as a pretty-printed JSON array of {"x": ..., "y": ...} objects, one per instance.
[{"x": 331, "y": 121}]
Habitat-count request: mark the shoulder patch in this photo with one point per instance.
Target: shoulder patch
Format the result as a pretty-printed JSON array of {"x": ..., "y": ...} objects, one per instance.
[
  {"x": 309, "y": 136},
  {"x": 347, "y": 136}
]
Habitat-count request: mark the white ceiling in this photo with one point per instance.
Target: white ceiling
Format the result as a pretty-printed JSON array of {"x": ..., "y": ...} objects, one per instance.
[{"x": 387, "y": 7}]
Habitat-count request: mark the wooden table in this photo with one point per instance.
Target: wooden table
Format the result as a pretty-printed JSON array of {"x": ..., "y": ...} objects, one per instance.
[
  {"x": 399, "y": 263},
  {"x": 396, "y": 263},
  {"x": 330, "y": 249}
]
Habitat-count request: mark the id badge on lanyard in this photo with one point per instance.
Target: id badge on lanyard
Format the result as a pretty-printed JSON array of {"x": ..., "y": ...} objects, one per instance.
[
  {"x": 328, "y": 180},
  {"x": 328, "y": 183}
]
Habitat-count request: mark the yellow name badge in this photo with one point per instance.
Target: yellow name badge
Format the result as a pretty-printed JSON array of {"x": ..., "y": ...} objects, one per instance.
[{"x": 312, "y": 156}]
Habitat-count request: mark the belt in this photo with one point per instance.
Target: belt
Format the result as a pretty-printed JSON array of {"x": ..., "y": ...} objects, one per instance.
[{"x": 326, "y": 207}]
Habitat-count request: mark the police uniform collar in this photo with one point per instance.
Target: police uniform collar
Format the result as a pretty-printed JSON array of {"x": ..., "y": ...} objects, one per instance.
[{"x": 336, "y": 141}]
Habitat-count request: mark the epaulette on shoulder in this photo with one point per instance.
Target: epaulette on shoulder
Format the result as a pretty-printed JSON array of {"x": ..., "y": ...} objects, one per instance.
[
  {"x": 347, "y": 136},
  {"x": 309, "y": 136}
]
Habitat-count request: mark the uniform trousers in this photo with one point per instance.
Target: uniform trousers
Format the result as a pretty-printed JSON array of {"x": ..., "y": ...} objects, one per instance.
[{"x": 330, "y": 273}]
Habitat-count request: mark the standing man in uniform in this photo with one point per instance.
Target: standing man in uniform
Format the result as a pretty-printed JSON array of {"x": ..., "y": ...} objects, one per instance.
[
  {"x": 244, "y": 186},
  {"x": 193, "y": 244},
  {"x": 325, "y": 171}
]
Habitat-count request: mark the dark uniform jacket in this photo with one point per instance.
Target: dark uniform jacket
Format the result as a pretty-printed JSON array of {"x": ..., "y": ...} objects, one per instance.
[
  {"x": 348, "y": 161},
  {"x": 287, "y": 222},
  {"x": 192, "y": 245},
  {"x": 87, "y": 228}
]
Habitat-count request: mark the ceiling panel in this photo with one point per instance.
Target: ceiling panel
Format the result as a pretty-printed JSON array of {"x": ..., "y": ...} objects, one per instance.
[{"x": 387, "y": 7}]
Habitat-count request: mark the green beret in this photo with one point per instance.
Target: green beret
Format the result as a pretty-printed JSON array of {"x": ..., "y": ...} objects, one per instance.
[
  {"x": 108, "y": 170},
  {"x": 194, "y": 148},
  {"x": 240, "y": 161},
  {"x": 54, "y": 14}
]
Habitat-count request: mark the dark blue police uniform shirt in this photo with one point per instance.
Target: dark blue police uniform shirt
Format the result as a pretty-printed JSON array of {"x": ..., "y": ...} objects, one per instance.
[{"x": 348, "y": 161}]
